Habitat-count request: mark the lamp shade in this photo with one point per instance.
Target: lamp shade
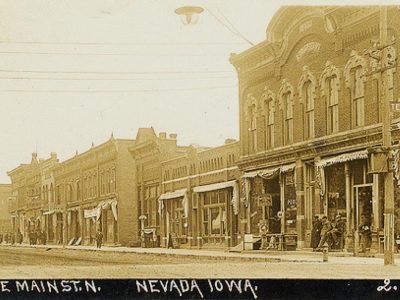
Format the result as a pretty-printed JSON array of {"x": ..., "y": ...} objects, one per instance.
[{"x": 189, "y": 14}]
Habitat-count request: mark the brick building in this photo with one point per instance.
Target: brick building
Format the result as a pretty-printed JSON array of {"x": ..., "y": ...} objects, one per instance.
[
  {"x": 95, "y": 190},
  {"x": 200, "y": 202},
  {"x": 5, "y": 194},
  {"x": 310, "y": 107},
  {"x": 31, "y": 194},
  {"x": 148, "y": 152}
]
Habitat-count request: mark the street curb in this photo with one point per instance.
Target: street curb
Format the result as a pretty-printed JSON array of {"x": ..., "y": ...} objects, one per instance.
[{"x": 194, "y": 256}]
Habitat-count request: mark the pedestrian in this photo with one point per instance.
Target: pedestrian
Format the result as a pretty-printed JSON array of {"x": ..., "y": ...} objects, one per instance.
[
  {"x": 316, "y": 233},
  {"x": 326, "y": 228},
  {"x": 44, "y": 238},
  {"x": 365, "y": 231},
  {"x": 19, "y": 237},
  {"x": 337, "y": 232},
  {"x": 99, "y": 238}
]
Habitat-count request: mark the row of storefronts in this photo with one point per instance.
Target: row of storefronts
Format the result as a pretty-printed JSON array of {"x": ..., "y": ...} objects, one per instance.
[{"x": 310, "y": 103}]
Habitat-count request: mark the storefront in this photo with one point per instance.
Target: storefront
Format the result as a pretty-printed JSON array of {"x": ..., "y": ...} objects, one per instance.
[
  {"x": 218, "y": 208},
  {"x": 174, "y": 209},
  {"x": 352, "y": 195},
  {"x": 271, "y": 204},
  {"x": 73, "y": 225},
  {"x": 104, "y": 216}
]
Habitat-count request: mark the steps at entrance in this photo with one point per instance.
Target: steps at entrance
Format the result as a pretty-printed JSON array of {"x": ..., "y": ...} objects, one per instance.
[{"x": 237, "y": 248}]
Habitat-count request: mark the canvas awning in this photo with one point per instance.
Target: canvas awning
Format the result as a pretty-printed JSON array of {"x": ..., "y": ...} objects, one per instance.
[
  {"x": 92, "y": 213},
  {"x": 172, "y": 195},
  {"x": 214, "y": 186},
  {"x": 363, "y": 154},
  {"x": 264, "y": 173},
  {"x": 326, "y": 162},
  {"x": 49, "y": 212},
  {"x": 270, "y": 172}
]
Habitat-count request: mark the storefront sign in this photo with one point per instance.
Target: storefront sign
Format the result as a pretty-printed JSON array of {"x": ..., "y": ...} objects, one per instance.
[
  {"x": 264, "y": 200},
  {"x": 395, "y": 106}
]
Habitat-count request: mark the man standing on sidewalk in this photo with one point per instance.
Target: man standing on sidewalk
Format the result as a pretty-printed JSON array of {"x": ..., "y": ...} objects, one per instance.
[{"x": 99, "y": 238}]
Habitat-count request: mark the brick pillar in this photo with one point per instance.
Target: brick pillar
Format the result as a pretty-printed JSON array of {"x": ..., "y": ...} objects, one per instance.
[
  {"x": 299, "y": 184},
  {"x": 349, "y": 232},
  {"x": 318, "y": 201}
]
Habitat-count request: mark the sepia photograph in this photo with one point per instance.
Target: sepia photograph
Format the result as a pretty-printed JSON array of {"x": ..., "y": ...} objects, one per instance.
[{"x": 199, "y": 149}]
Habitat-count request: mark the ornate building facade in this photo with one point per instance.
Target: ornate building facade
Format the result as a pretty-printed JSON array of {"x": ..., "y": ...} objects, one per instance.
[
  {"x": 95, "y": 191},
  {"x": 310, "y": 107},
  {"x": 5, "y": 194},
  {"x": 32, "y": 194}
]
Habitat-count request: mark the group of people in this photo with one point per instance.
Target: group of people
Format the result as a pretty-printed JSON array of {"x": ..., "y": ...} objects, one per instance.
[
  {"x": 11, "y": 238},
  {"x": 332, "y": 233},
  {"x": 325, "y": 231},
  {"x": 37, "y": 237}
]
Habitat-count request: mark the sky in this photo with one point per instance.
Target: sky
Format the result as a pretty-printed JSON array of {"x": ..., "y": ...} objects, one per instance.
[{"x": 72, "y": 72}]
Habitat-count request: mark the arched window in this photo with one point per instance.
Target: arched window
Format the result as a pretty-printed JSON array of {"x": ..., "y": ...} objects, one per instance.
[
  {"x": 78, "y": 190},
  {"x": 51, "y": 192},
  {"x": 308, "y": 111},
  {"x": 330, "y": 86},
  {"x": 355, "y": 77},
  {"x": 306, "y": 89},
  {"x": 286, "y": 104},
  {"x": 269, "y": 115},
  {"x": 252, "y": 123}
]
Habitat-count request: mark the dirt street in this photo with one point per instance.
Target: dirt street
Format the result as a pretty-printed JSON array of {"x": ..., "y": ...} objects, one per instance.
[{"x": 28, "y": 263}]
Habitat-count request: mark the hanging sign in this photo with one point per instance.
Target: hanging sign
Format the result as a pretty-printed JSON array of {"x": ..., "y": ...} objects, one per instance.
[
  {"x": 395, "y": 106},
  {"x": 264, "y": 200}
]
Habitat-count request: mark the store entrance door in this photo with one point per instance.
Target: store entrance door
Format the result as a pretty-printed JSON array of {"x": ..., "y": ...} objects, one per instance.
[{"x": 363, "y": 205}]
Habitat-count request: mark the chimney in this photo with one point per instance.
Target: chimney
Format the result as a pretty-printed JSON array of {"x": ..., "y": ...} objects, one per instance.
[
  {"x": 162, "y": 135},
  {"x": 173, "y": 136},
  {"x": 53, "y": 155},
  {"x": 228, "y": 141}
]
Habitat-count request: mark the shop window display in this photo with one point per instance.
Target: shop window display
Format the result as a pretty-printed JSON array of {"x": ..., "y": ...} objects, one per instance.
[
  {"x": 336, "y": 193},
  {"x": 290, "y": 203}
]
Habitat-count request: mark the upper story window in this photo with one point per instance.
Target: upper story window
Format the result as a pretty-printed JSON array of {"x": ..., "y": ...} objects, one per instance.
[
  {"x": 357, "y": 96},
  {"x": 330, "y": 86},
  {"x": 252, "y": 123},
  {"x": 306, "y": 89},
  {"x": 269, "y": 115},
  {"x": 286, "y": 104},
  {"x": 355, "y": 78}
]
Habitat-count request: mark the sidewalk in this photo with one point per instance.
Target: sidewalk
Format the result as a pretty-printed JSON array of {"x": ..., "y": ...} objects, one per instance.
[{"x": 255, "y": 256}]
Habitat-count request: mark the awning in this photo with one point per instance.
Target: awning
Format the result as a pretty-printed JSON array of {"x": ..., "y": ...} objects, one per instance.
[
  {"x": 271, "y": 172},
  {"x": 264, "y": 173},
  {"x": 214, "y": 186},
  {"x": 73, "y": 208},
  {"x": 49, "y": 212},
  {"x": 363, "y": 154},
  {"x": 106, "y": 204},
  {"x": 94, "y": 213},
  {"x": 288, "y": 168},
  {"x": 326, "y": 162},
  {"x": 172, "y": 195}
]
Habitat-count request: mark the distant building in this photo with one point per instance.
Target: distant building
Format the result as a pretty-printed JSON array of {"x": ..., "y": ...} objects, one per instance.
[
  {"x": 96, "y": 190},
  {"x": 5, "y": 217},
  {"x": 200, "y": 201},
  {"x": 31, "y": 191},
  {"x": 148, "y": 152}
]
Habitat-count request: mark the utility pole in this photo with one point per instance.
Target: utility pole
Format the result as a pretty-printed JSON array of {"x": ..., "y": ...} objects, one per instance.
[{"x": 387, "y": 144}]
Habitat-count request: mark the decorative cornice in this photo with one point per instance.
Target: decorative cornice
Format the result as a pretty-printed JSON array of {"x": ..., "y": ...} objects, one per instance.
[
  {"x": 329, "y": 71},
  {"x": 355, "y": 61},
  {"x": 306, "y": 76}
]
